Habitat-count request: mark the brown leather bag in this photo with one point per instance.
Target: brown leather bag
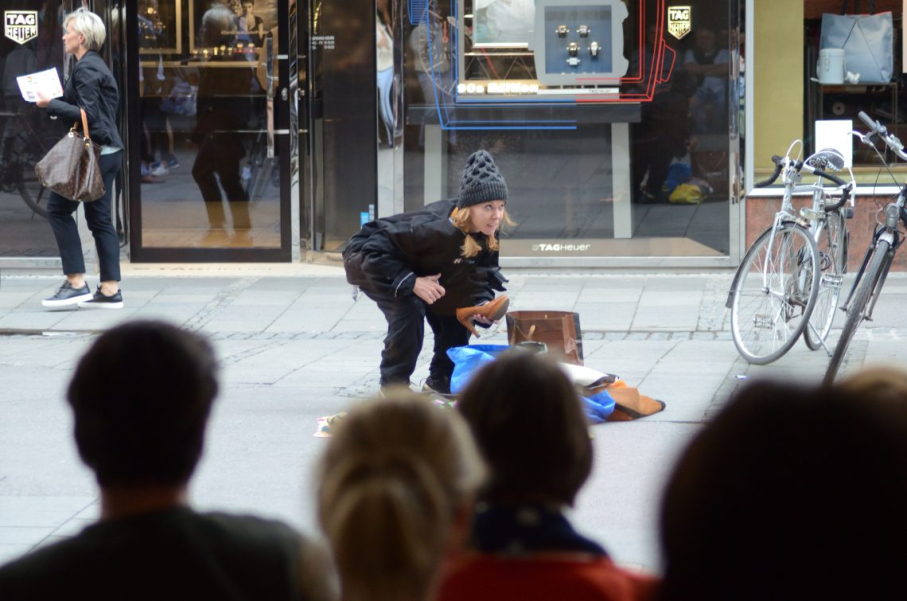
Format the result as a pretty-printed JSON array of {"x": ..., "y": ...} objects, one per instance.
[
  {"x": 559, "y": 330},
  {"x": 71, "y": 167}
]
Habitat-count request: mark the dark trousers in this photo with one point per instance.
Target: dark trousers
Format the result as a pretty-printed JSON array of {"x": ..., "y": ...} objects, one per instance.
[
  {"x": 219, "y": 159},
  {"x": 406, "y": 317},
  {"x": 98, "y": 214}
]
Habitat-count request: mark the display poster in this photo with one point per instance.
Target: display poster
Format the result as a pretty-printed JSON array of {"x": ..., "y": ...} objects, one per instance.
[{"x": 503, "y": 23}]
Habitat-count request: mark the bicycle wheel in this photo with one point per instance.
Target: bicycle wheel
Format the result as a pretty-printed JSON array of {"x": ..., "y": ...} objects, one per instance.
[
  {"x": 775, "y": 291},
  {"x": 832, "y": 255},
  {"x": 856, "y": 309},
  {"x": 33, "y": 193},
  {"x": 30, "y": 189}
]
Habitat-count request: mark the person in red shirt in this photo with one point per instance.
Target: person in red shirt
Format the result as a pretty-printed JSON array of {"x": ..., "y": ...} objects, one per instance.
[{"x": 529, "y": 425}]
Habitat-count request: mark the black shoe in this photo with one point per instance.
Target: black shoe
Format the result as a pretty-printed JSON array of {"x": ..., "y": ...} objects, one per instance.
[
  {"x": 438, "y": 385},
  {"x": 67, "y": 295},
  {"x": 388, "y": 389},
  {"x": 102, "y": 301}
]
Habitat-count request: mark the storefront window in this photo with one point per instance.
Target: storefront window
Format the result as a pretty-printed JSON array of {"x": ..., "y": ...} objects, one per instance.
[
  {"x": 853, "y": 63},
  {"x": 209, "y": 175},
  {"x": 26, "y": 133},
  {"x": 811, "y": 79},
  {"x": 616, "y": 138}
]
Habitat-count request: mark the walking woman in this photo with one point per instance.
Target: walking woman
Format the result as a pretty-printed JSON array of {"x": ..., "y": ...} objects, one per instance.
[
  {"x": 437, "y": 264},
  {"x": 90, "y": 87}
]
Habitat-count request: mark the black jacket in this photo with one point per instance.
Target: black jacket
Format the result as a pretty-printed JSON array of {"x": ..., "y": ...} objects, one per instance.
[
  {"x": 388, "y": 254},
  {"x": 92, "y": 87}
]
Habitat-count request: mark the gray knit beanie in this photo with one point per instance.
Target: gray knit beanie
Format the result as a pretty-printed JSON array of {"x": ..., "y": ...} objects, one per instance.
[{"x": 481, "y": 181}]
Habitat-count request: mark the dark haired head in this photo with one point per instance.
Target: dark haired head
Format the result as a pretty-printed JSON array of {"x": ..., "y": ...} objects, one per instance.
[
  {"x": 141, "y": 396},
  {"x": 791, "y": 493},
  {"x": 529, "y": 425}
]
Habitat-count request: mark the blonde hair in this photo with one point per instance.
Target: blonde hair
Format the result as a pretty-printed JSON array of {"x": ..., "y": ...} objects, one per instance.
[
  {"x": 883, "y": 381},
  {"x": 460, "y": 218},
  {"x": 89, "y": 26},
  {"x": 391, "y": 483}
]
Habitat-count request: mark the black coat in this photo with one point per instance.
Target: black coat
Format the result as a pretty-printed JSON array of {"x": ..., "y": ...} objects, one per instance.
[
  {"x": 92, "y": 87},
  {"x": 388, "y": 254}
]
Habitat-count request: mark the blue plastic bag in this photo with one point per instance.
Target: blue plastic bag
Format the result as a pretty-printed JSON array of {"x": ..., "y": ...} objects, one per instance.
[
  {"x": 469, "y": 359},
  {"x": 678, "y": 173},
  {"x": 598, "y": 406}
]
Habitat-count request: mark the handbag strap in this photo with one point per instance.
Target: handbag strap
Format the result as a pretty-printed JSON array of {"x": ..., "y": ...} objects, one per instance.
[
  {"x": 856, "y": 7},
  {"x": 84, "y": 124}
]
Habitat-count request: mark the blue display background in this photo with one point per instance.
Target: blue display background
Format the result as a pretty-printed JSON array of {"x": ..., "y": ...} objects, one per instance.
[{"x": 598, "y": 19}]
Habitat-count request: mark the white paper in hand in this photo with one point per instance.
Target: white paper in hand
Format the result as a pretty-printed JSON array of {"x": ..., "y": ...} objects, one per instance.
[{"x": 47, "y": 83}]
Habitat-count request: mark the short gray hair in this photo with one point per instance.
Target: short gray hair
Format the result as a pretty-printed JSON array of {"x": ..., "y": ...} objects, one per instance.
[
  {"x": 219, "y": 25},
  {"x": 89, "y": 25}
]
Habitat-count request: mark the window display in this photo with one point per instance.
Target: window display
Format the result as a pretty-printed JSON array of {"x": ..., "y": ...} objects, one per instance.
[{"x": 563, "y": 51}]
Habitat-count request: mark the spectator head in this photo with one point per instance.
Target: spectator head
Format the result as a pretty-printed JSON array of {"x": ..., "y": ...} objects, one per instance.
[
  {"x": 705, "y": 39},
  {"x": 141, "y": 396},
  {"x": 791, "y": 493},
  {"x": 218, "y": 26},
  {"x": 529, "y": 425},
  {"x": 395, "y": 495},
  {"x": 884, "y": 383},
  {"x": 89, "y": 26}
]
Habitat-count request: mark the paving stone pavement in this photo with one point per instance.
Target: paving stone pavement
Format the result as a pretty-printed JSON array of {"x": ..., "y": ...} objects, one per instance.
[{"x": 294, "y": 345}]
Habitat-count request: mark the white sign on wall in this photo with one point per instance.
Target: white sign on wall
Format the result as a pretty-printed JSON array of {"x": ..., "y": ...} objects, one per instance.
[
  {"x": 835, "y": 133},
  {"x": 20, "y": 25}
]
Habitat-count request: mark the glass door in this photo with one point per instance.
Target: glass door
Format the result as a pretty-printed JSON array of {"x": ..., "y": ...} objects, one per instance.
[{"x": 210, "y": 143}]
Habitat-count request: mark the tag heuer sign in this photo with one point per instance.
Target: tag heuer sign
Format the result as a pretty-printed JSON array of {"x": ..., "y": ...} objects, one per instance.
[
  {"x": 20, "y": 25},
  {"x": 679, "y": 21}
]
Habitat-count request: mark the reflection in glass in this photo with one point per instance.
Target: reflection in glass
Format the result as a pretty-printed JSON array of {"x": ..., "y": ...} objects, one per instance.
[
  {"x": 207, "y": 178},
  {"x": 26, "y": 134}
]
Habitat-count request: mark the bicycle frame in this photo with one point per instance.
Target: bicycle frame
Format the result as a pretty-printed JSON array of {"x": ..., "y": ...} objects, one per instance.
[{"x": 893, "y": 237}]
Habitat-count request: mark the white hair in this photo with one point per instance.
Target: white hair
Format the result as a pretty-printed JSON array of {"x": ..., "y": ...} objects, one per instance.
[{"x": 89, "y": 25}]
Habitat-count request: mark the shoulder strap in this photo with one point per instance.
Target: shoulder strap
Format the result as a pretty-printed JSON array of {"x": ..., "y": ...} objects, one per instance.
[{"x": 84, "y": 124}]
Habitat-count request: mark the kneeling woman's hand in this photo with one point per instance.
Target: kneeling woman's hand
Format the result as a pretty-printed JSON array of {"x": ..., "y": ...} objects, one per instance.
[{"x": 428, "y": 289}]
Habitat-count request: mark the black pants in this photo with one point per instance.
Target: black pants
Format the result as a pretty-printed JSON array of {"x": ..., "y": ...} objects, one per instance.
[
  {"x": 98, "y": 215},
  {"x": 219, "y": 159},
  {"x": 405, "y": 331}
]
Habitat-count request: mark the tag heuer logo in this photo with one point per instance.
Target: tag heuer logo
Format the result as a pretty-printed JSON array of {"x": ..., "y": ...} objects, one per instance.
[
  {"x": 21, "y": 25},
  {"x": 679, "y": 21}
]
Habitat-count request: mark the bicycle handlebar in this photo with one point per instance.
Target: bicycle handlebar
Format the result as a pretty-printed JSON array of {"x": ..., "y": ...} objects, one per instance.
[
  {"x": 798, "y": 165},
  {"x": 873, "y": 125},
  {"x": 890, "y": 140},
  {"x": 837, "y": 180},
  {"x": 845, "y": 195},
  {"x": 778, "y": 161}
]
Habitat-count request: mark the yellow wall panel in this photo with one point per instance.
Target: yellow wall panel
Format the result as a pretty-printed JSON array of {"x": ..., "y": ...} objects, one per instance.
[{"x": 778, "y": 79}]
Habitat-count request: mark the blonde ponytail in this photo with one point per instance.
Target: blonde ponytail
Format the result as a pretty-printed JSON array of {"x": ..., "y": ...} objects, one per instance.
[
  {"x": 387, "y": 522},
  {"x": 392, "y": 480}
]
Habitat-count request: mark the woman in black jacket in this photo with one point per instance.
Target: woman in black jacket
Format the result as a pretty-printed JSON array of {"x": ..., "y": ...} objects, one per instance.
[
  {"x": 429, "y": 263},
  {"x": 92, "y": 87}
]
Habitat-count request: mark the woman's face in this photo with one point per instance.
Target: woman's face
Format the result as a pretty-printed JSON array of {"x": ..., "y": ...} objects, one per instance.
[
  {"x": 71, "y": 40},
  {"x": 487, "y": 216}
]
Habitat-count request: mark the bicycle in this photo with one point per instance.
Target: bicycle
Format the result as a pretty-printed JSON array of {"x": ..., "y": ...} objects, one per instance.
[
  {"x": 22, "y": 145},
  {"x": 886, "y": 240},
  {"x": 784, "y": 274}
]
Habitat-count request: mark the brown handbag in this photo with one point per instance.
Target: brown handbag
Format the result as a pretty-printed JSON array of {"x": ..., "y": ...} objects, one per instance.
[
  {"x": 71, "y": 167},
  {"x": 559, "y": 330}
]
